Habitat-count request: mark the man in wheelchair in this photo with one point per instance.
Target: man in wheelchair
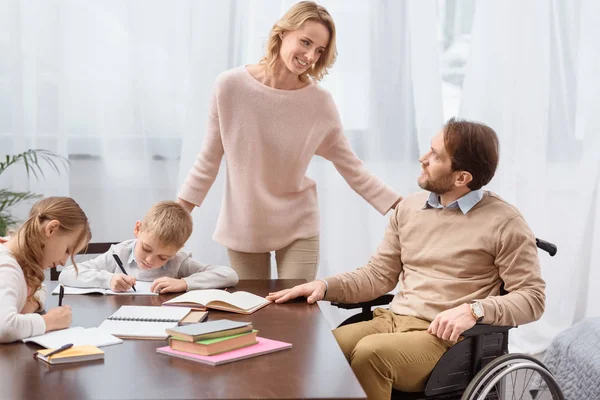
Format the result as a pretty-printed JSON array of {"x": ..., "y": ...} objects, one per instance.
[{"x": 450, "y": 249}]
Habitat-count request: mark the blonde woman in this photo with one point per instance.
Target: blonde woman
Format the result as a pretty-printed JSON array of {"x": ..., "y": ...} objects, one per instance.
[{"x": 269, "y": 119}]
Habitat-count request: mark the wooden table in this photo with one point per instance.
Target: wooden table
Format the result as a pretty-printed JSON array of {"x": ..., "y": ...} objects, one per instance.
[{"x": 314, "y": 368}]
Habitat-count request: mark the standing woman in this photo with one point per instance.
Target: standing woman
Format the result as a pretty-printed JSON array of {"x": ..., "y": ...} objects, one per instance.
[{"x": 269, "y": 119}]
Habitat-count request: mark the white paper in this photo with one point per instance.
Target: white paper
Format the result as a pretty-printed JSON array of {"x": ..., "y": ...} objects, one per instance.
[
  {"x": 143, "y": 289},
  {"x": 77, "y": 335}
]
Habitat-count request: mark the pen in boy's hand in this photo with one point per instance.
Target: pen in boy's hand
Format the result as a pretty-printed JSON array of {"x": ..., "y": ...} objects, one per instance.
[{"x": 120, "y": 264}]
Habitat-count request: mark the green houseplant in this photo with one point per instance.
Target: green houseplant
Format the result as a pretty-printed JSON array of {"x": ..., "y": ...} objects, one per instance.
[{"x": 32, "y": 160}]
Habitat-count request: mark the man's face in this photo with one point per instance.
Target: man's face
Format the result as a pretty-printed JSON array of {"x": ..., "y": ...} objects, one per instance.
[{"x": 437, "y": 175}]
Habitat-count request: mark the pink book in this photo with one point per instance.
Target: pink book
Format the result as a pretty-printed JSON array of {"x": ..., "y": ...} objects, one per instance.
[{"x": 264, "y": 346}]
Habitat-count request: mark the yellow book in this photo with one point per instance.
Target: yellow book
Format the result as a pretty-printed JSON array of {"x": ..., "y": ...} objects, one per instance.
[{"x": 74, "y": 354}]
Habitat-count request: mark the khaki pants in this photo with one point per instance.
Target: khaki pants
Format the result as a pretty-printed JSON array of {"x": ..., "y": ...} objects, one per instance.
[
  {"x": 390, "y": 351},
  {"x": 298, "y": 260}
]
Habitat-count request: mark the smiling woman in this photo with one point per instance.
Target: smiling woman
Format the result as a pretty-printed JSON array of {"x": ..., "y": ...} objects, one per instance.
[{"x": 268, "y": 120}]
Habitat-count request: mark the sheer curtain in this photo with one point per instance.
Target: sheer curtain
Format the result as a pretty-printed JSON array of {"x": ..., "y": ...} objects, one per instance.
[
  {"x": 537, "y": 85},
  {"x": 104, "y": 84}
]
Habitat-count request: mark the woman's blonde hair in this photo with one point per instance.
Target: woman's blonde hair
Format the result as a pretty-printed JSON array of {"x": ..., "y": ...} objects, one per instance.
[
  {"x": 31, "y": 238},
  {"x": 292, "y": 20}
]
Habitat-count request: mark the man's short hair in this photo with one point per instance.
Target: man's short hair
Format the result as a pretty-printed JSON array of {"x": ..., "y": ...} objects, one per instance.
[
  {"x": 170, "y": 222},
  {"x": 472, "y": 147}
]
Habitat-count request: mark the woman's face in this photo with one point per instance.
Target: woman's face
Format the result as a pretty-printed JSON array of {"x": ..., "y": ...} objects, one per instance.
[{"x": 302, "y": 48}]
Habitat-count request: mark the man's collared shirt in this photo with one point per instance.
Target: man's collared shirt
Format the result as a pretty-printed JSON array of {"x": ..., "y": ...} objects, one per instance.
[{"x": 465, "y": 203}]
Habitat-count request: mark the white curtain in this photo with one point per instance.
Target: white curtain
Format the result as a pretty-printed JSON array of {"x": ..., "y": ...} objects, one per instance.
[
  {"x": 121, "y": 87},
  {"x": 537, "y": 84},
  {"x": 105, "y": 84}
]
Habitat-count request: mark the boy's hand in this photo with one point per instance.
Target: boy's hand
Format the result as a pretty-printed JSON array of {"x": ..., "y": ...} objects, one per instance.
[
  {"x": 121, "y": 282},
  {"x": 58, "y": 318},
  {"x": 168, "y": 285}
]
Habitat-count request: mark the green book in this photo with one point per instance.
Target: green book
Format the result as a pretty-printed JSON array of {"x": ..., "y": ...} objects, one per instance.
[
  {"x": 212, "y": 346},
  {"x": 206, "y": 342}
]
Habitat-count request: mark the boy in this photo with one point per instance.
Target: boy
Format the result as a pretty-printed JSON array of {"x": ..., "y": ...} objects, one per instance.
[{"x": 153, "y": 256}]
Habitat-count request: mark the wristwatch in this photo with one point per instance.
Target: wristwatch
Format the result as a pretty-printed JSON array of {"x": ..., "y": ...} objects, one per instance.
[{"x": 477, "y": 310}]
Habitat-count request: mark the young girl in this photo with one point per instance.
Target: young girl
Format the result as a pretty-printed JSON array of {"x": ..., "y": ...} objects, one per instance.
[{"x": 57, "y": 229}]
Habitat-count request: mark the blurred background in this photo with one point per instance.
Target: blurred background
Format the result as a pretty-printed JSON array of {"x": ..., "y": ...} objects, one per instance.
[{"x": 121, "y": 89}]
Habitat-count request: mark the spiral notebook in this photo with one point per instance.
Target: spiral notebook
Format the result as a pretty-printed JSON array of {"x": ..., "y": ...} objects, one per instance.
[{"x": 143, "y": 322}]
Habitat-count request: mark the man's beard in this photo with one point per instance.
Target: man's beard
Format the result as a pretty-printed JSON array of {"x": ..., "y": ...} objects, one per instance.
[{"x": 442, "y": 185}]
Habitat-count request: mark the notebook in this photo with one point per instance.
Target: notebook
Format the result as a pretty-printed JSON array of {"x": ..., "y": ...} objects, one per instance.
[
  {"x": 78, "y": 336},
  {"x": 143, "y": 322},
  {"x": 209, "y": 330},
  {"x": 142, "y": 289},
  {"x": 74, "y": 354},
  {"x": 264, "y": 346},
  {"x": 237, "y": 302},
  {"x": 208, "y": 347}
]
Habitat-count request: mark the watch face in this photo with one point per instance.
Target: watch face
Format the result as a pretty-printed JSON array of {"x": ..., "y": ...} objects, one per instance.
[{"x": 477, "y": 309}]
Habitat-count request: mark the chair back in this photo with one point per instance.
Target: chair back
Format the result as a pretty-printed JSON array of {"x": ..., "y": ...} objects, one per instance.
[{"x": 92, "y": 249}]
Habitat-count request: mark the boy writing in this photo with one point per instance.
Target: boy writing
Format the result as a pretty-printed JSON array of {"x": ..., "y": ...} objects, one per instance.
[{"x": 153, "y": 256}]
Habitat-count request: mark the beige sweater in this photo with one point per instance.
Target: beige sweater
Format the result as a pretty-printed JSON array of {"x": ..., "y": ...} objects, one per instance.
[
  {"x": 268, "y": 137},
  {"x": 444, "y": 258}
]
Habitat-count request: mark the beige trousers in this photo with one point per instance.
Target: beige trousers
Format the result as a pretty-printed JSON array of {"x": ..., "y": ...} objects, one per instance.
[
  {"x": 390, "y": 351},
  {"x": 299, "y": 260}
]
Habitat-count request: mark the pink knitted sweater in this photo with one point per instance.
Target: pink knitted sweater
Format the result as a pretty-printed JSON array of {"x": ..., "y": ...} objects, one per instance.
[{"x": 268, "y": 137}]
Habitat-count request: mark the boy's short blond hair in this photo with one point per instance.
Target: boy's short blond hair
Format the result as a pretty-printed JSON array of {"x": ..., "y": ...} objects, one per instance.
[{"x": 170, "y": 222}]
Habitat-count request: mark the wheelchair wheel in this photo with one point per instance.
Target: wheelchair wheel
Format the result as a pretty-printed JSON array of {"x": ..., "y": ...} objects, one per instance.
[{"x": 513, "y": 376}]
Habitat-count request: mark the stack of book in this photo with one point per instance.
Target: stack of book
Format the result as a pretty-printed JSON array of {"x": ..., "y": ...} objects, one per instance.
[
  {"x": 218, "y": 342},
  {"x": 213, "y": 337}
]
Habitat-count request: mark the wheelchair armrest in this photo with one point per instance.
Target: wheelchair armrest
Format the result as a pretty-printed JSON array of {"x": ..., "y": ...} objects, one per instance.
[
  {"x": 380, "y": 301},
  {"x": 484, "y": 329}
]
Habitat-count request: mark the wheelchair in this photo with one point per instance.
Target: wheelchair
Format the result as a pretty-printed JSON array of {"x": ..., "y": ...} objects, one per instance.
[{"x": 479, "y": 367}]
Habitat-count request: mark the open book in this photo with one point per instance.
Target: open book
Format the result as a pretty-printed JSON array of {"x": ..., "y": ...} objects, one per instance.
[
  {"x": 143, "y": 289},
  {"x": 78, "y": 336},
  {"x": 143, "y": 322},
  {"x": 237, "y": 302}
]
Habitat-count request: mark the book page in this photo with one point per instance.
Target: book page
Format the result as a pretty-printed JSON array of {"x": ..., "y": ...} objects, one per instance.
[
  {"x": 75, "y": 290},
  {"x": 200, "y": 296},
  {"x": 78, "y": 336},
  {"x": 245, "y": 300},
  {"x": 137, "y": 329},
  {"x": 150, "y": 313},
  {"x": 143, "y": 289}
]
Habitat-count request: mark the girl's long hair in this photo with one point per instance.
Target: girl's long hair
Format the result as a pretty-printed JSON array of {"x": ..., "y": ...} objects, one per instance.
[{"x": 31, "y": 238}]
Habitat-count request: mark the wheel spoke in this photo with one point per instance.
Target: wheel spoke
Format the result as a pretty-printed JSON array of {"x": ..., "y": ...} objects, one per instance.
[{"x": 527, "y": 383}]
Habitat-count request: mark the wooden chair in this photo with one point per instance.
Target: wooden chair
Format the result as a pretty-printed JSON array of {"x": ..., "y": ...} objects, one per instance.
[{"x": 93, "y": 248}]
